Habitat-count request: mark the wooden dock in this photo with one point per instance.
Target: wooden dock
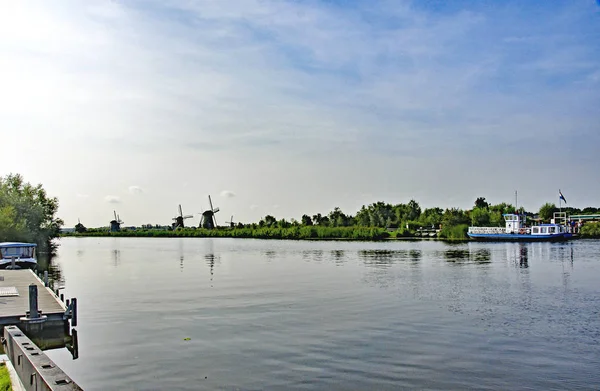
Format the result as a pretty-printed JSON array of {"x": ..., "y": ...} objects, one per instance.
[{"x": 14, "y": 298}]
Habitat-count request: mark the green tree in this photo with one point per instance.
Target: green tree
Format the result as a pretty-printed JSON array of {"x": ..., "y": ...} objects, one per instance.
[
  {"x": 414, "y": 210},
  {"x": 480, "y": 217},
  {"x": 454, "y": 216},
  {"x": 28, "y": 213},
  {"x": 11, "y": 229},
  {"x": 547, "y": 210},
  {"x": 481, "y": 203},
  {"x": 268, "y": 221},
  {"x": 431, "y": 217},
  {"x": 306, "y": 220},
  {"x": 337, "y": 218}
]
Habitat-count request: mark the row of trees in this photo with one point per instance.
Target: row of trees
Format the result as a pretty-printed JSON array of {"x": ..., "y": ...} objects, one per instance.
[
  {"x": 411, "y": 216},
  {"x": 27, "y": 213},
  {"x": 401, "y": 219}
]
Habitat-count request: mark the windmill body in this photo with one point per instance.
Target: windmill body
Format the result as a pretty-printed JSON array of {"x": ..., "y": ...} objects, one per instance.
[
  {"x": 178, "y": 220},
  {"x": 208, "y": 220},
  {"x": 115, "y": 225}
]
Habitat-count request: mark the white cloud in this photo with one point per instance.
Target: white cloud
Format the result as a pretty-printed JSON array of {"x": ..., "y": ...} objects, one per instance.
[
  {"x": 79, "y": 195},
  {"x": 111, "y": 199},
  {"x": 135, "y": 190},
  {"x": 254, "y": 207},
  {"x": 227, "y": 194}
]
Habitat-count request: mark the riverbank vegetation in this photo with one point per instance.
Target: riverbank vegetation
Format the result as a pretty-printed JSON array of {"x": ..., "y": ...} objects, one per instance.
[
  {"x": 376, "y": 221},
  {"x": 5, "y": 383},
  {"x": 591, "y": 230},
  {"x": 27, "y": 213}
]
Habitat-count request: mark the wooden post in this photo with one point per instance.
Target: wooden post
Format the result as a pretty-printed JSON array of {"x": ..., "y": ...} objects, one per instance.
[
  {"x": 33, "y": 302},
  {"x": 45, "y": 278},
  {"x": 74, "y": 312}
]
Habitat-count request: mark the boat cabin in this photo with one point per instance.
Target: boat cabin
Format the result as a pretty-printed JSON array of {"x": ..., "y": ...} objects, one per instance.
[
  {"x": 514, "y": 222},
  {"x": 548, "y": 229},
  {"x": 21, "y": 254}
]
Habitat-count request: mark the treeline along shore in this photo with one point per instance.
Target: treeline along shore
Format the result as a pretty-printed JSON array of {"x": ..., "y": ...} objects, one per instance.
[
  {"x": 378, "y": 221},
  {"x": 28, "y": 214}
]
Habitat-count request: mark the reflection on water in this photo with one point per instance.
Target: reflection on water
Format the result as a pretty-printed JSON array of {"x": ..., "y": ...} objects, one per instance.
[
  {"x": 57, "y": 337},
  {"x": 468, "y": 255},
  {"x": 338, "y": 256},
  {"x": 518, "y": 253},
  {"x": 210, "y": 261},
  {"x": 335, "y": 315},
  {"x": 181, "y": 252},
  {"x": 385, "y": 257},
  {"x": 312, "y": 255}
]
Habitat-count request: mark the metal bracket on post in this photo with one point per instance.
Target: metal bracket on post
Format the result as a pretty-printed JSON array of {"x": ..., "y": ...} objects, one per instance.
[
  {"x": 33, "y": 320},
  {"x": 71, "y": 312}
]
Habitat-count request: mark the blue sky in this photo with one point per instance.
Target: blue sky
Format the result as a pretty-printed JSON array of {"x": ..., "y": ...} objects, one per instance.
[{"x": 292, "y": 107}]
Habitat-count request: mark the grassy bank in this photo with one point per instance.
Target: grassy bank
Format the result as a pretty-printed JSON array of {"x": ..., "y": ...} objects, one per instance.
[
  {"x": 293, "y": 233},
  {"x": 590, "y": 230},
  {"x": 299, "y": 232},
  {"x": 5, "y": 384}
]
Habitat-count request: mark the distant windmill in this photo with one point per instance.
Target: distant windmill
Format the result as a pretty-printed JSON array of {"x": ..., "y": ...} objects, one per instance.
[
  {"x": 231, "y": 222},
  {"x": 179, "y": 219},
  {"x": 79, "y": 227},
  {"x": 208, "y": 219},
  {"x": 115, "y": 225}
]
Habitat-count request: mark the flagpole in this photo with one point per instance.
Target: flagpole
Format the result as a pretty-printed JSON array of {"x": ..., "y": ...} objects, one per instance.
[{"x": 559, "y": 202}]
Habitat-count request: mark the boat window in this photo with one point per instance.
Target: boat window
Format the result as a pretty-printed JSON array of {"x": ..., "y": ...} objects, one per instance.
[
  {"x": 543, "y": 230},
  {"x": 551, "y": 230},
  {"x": 536, "y": 230}
]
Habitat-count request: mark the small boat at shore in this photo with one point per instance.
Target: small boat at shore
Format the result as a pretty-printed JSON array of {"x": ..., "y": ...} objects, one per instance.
[
  {"x": 18, "y": 255},
  {"x": 516, "y": 230}
]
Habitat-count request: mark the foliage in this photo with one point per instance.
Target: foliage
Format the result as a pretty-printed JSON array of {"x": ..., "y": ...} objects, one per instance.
[
  {"x": 457, "y": 232},
  {"x": 291, "y": 232},
  {"x": 547, "y": 210},
  {"x": 27, "y": 213},
  {"x": 590, "y": 230},
  {"x": 11, "y": 227},
  {"x": 481, "y": 203},
  {"x": 453, "y": 217},
  {"x": 431, "y": 217},
  {"x": 306, "y": 220},
  {"x": 5, "y": 383},
  {"x": 480, "y": 217}
]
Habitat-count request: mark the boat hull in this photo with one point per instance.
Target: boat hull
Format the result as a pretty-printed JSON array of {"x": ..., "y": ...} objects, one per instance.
[
  {"x": 521, "y": 237},
  {"x": 19, "y": 264}
]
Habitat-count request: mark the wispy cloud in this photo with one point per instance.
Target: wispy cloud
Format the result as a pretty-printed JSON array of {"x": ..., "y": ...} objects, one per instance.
[
  {"x": 135, "y": 190},
  {"x": 227, "y": 194},
  {"x": 111, "y": 199}
]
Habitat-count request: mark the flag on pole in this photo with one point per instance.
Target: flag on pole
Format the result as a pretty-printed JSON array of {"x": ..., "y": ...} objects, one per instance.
[{"x": 562, "y": 197}]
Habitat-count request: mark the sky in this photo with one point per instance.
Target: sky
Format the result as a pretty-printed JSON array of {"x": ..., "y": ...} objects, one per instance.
[{"x": 298, "y": 106}]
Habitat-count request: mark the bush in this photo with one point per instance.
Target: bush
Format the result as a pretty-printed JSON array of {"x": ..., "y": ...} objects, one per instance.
[
  {"x": 590, "y": 230},
  {"x": 456, "y": 232}
]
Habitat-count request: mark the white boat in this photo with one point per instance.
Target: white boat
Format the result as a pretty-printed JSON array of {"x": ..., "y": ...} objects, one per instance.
[
  {"x": 516, "y": 230},
  {"x": 17, "y": 255}
]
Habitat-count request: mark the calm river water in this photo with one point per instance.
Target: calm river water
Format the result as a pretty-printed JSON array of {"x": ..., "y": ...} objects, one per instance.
[{"x": 193, "y": 314}]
